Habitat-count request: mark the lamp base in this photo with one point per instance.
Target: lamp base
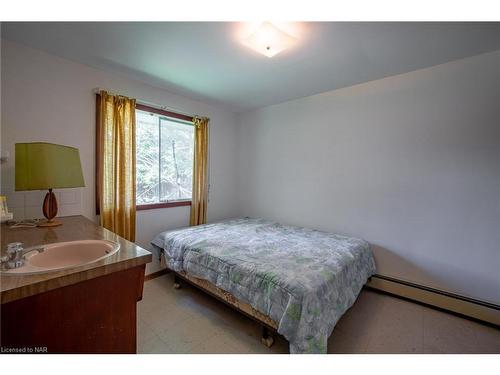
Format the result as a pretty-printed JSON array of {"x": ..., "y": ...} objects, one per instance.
[
  {"x": 49, "y": 209},
  {"x": 53, "y": 223}
]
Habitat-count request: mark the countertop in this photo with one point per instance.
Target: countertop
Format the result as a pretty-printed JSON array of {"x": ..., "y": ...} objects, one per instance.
[{"x": 73, "y": 228}]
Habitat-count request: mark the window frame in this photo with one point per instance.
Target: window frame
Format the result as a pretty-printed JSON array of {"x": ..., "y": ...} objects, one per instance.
[{"x": 168, "y": 114}]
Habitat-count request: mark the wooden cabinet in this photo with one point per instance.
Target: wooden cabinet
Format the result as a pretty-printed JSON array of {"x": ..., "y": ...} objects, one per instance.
[{"x": 91, "y": 316}]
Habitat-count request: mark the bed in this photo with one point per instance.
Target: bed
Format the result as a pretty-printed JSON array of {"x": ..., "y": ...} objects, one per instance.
[{"x": 298, "y": 281}]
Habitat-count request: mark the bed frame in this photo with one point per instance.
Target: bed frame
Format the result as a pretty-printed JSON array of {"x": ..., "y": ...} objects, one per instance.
[{"x": 269, "y": 326}]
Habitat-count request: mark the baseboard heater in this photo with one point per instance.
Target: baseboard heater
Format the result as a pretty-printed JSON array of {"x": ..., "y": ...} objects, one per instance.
[{"x": 469, "y": 307}]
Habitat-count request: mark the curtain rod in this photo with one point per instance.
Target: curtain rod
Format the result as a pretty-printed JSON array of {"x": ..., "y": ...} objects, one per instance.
[{"x": 145, "y": 102}]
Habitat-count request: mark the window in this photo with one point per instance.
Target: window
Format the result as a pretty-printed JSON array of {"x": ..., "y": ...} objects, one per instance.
[{"x": 164, "y": 158}]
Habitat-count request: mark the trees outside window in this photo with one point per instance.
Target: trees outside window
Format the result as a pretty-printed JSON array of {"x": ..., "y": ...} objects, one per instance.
[{"x": 164, "y": 165}]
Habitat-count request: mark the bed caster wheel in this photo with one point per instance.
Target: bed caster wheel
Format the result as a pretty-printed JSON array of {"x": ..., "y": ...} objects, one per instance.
[
  {"x": 177, "y": 282},
  {"x": 267, "y": 341}
]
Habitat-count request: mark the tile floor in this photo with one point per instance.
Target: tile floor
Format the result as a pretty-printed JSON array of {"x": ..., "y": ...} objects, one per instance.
[{"x": 189, "y": 321}]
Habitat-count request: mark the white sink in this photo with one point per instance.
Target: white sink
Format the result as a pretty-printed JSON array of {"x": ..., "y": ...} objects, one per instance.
[{"x": 63, "y": 255}]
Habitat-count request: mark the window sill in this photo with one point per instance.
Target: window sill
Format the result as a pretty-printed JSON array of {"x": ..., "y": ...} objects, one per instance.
[{"x": 154, "y": 206}]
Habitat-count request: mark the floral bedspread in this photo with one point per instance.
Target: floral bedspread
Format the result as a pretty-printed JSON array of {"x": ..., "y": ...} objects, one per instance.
[{"x": 303, "y": 279}]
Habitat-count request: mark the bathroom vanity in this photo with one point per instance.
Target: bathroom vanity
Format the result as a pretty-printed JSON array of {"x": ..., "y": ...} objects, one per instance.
[{"x": 90, "y": 308}]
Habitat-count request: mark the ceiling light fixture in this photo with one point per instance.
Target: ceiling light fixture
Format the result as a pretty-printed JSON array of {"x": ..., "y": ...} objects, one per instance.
[{"x": 269, "y": 40}]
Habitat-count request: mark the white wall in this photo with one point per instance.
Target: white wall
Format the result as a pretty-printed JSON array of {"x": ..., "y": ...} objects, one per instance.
[
  {"x": 47, "y": 98},
  {"x": 411, "y": 163}
]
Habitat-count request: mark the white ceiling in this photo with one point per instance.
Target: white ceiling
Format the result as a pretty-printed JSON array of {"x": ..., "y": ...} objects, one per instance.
[{"x": 205, "y": 61}]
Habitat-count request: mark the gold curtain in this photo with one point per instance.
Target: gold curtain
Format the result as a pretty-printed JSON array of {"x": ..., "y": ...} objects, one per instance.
[
  {"x": 116, "y": 163},
  {"x": 200, "y": 172}
]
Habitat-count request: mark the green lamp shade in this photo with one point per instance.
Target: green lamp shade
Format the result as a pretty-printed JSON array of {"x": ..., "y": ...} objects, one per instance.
[{"x": 41, "y": 166}]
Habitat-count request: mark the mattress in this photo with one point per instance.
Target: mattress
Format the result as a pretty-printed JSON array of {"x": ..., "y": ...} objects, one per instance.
[{"x": 303, "y": 279}]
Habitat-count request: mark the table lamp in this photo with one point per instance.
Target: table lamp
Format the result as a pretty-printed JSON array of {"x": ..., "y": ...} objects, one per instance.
[{"x": 41, "y": 166}]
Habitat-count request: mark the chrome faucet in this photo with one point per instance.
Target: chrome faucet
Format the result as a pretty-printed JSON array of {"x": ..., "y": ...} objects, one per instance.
[{"x": 15, "y": 255}]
